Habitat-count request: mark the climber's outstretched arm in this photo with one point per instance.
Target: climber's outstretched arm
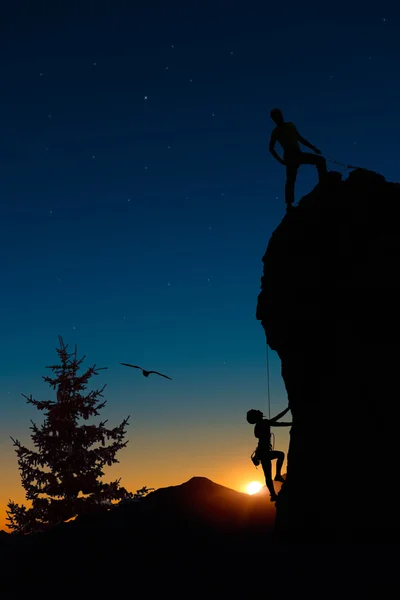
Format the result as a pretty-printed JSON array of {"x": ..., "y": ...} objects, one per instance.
[
  {"x": 281, "y": 424},
  {"x": 308, "y": 144},
  {"x": 272, "y": 421}
]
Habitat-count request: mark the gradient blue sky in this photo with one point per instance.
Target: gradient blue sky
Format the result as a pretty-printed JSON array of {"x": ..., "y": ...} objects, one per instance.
[{"x": 138, "y": 197}]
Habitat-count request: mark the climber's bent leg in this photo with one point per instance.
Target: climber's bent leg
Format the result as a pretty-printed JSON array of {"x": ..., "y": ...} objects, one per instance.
[
  {"x": 307, "y": 158},
  {"x": 280, "y": 457},
  {"x": 266, "y": 465}
]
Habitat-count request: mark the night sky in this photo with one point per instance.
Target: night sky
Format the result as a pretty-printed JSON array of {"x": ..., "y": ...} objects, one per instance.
[{"x": 138, "y": 197}]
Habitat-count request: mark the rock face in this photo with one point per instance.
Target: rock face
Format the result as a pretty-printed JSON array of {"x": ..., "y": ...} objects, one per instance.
[{"x": 330, "y": 307}]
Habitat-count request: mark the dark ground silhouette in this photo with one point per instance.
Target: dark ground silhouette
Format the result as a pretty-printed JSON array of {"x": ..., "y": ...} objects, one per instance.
[
  {"x": 198, "y": 518},
  {"x": 195, "y": 539}
]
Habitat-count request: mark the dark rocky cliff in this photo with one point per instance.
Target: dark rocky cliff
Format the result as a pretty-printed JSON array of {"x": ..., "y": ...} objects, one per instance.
[{"x": 330, "y": 307}]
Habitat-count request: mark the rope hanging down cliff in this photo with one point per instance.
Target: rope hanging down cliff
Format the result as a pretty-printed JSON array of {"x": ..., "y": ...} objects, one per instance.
[{"x": 269, "y": 401}]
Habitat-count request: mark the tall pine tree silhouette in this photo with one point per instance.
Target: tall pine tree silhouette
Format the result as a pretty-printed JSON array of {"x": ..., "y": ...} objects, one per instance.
[{"x": 62, "y": 479}]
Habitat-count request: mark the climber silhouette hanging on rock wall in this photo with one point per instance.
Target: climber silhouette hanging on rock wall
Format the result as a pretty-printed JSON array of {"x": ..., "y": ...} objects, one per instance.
[
  {"x": 264, "y": 452},
  {"x": 288, "y": 137}
]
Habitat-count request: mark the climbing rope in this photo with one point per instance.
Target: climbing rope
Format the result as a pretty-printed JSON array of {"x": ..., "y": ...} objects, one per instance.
[
  {"x": 269, "y": 401},
  {"x": 269, "y": 397},
  {"x": 341, "y": 164}
]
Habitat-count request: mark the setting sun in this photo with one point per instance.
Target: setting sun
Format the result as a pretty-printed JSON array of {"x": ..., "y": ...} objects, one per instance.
[{"x": 254, "y": 487}]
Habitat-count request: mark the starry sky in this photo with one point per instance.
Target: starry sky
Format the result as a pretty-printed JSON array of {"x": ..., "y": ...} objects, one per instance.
[{"x": 138, "y": 197}]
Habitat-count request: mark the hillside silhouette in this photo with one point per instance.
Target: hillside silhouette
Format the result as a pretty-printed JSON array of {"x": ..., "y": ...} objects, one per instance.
[
  {"x": 208, "y": 504},
  {"x": 196, "y": 505},
  {"x": 197, "y": 537},
  {"x": 329, "y": 306},
  {"x": 198, "y": 516}
]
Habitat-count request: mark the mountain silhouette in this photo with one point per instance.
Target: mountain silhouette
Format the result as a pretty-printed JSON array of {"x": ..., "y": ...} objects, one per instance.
[
  {"x": 213, "y": 505},
  {"x": 197, "y": 538},
  {"x": 196, "y": 516},
  {"x": 329, "y": 306},
  {"x": 198, "y": 502}
]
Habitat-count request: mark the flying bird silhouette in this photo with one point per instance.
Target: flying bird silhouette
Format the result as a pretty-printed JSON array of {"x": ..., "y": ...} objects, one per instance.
[{"x": 145, "y": 373}]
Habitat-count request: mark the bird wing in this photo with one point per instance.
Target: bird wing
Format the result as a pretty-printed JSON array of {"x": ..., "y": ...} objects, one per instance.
[
  {"x": 157, "y": 373},
  {"x": 133, "y": 366}
]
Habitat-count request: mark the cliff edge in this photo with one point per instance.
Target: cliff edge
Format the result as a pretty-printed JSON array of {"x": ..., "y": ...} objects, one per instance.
[{"x": 330, "y": 307}]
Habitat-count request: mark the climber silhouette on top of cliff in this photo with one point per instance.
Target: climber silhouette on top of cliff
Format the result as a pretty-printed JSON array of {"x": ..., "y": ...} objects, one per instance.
[
  {"x": 288, "y": 137},
  {"x": 264, "y": 452}
]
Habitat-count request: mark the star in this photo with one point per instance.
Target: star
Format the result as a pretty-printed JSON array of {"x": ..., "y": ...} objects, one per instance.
[{"x": 145, "y": 97}]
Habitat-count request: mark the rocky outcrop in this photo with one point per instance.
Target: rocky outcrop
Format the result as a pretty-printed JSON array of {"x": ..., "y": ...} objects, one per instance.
[{"x": 330, "y": 307}]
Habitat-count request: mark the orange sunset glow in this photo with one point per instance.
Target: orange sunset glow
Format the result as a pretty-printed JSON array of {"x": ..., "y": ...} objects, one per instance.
[{"x": 173, "y": 461}]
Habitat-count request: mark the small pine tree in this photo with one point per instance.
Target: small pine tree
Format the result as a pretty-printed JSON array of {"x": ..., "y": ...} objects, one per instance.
[
  {"x": 62, "y": 479},
  {"x": 137, "y": 497}
]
